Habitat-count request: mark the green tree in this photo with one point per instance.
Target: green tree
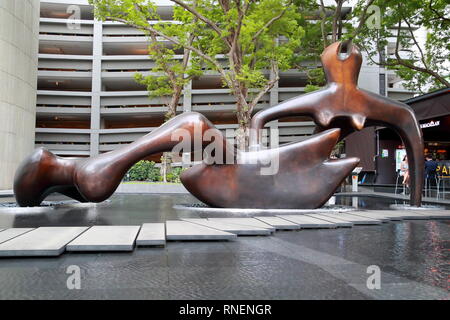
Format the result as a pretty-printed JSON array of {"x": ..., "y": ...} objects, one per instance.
[
  {"x": 167, "y": 80},
  {"x": 245, "y": 31},
  {"x": 323, "y": 25},
  {"x": 424, "y": 65},
  {"x": 170, "y": 73}
]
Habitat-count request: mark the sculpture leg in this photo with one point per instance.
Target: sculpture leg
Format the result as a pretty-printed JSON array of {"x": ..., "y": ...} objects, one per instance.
[
  {"x": 98, "y": 177},
  {"x": 414, "y": 149}
]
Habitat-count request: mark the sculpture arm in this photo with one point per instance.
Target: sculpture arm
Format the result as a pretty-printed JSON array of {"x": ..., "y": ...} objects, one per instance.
[
  {"x": 305, "y": 105},
  {"x": 400, "y": 118}
]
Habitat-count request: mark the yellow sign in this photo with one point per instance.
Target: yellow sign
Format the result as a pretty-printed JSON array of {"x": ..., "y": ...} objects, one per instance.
[{"x": 443, "y": 168}]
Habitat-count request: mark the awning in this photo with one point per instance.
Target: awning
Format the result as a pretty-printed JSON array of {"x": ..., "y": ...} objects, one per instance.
[{"x": 431, "y": 105}]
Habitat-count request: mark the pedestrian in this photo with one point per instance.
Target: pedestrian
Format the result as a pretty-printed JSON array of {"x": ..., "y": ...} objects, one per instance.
[
  {"x": 430, "y": 167},
  {"x": 430, "y": 173},
  {"x": 404, "y": 172}
]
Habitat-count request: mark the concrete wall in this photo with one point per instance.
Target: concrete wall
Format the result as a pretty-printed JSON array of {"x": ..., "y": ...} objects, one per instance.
[
  {"x": 151, "y": 188},
  {"x": 19, "y": 29}
]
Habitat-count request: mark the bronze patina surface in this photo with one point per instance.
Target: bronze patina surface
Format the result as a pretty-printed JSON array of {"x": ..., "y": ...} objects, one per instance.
[
  {"x": 341, "y": 104},
  {"x": 302, "y": 177},
  {"x": 301, "y": 174},
  {"x": 95, "y": 179}
]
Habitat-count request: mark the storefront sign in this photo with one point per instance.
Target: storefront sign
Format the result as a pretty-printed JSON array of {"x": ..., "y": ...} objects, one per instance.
[
  {"x": 443, "y": 168},
  {"x": 430, "y": 124}
]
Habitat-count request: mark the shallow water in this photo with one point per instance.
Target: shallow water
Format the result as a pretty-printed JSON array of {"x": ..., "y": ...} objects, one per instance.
[
  {"x": 375, "y": 203},
  {"x": 308, "y": 264},
  {"x": 133, "y": 209}
]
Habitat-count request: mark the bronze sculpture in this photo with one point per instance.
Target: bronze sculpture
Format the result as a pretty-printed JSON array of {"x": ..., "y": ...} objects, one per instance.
[
  {"x": 223, "y": 185},
  {"x": 341, "y": 104},
  {"x": 95, "y": 179},
  {"x": 306, "y": 178}
]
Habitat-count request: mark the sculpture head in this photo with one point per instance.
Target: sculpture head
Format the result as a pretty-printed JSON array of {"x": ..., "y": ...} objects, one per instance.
[{"x": 342, "y": 62}]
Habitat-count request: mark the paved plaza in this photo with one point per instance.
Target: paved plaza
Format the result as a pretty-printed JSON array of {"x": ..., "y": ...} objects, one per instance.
[{"x": 331, "y": 263}]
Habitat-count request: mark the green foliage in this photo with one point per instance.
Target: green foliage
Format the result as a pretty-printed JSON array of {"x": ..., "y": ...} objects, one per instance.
[
  {"x": 423, "y": 64},
  {"x": 174, "y": 175},
  {"x": 311, "y": 88},
  {"x": 422, "y": 72},
  {"x": 257, "y": 54},
  {"x": 244, "y": 31},
  {"x": 143, "y": 171},
  {"x": 170, "y": 73}
]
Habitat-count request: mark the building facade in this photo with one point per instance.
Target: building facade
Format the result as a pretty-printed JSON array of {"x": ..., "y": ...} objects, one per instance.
[
  {"x": 89, "y": 103},
  {"x": 19, "y": 31}
]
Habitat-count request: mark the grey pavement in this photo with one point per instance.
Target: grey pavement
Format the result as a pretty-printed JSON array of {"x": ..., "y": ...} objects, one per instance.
[{"x": 412, "y": 256}]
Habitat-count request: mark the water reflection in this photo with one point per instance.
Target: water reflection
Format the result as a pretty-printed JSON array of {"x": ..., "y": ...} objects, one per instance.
[
  {"x": 132, "y": 209},
  {"x": 373, "y": 203},
  {"x": 416, "y": 250}
]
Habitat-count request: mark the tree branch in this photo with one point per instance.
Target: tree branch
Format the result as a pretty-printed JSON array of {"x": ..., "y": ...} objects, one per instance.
[
  {"x": 202, "y": 18},
  {"x": 271, "y": 21},
  {"x": 437, "y": 13},
  {"x": 337, "y": 16},
  {"x": 422, "y": 56},
  {"x": 409, "y": 65},
  {"x": 322, "y": 24},
  {"x": 187, "y": 52},
  {"x": 362, "y": 19},
  {"x": 175, "y": 41},
  {"x": 268, "y": 86}
]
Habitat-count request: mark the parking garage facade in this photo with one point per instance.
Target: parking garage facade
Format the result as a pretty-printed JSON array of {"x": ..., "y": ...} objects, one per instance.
[{"x": 89, "y": 103}]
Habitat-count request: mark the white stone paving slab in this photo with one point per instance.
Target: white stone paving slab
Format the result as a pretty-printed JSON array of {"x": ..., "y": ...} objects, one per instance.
[
  {"x": 339, "y": 223},
  {"x": 43, "y": 241},
  {"x": 434, "y": 214},
  {"x": 246, "y": 222},
  {"x": 152, "y": 234},
  {"x": 9, "y": 234},
  {"x": 105, "y": 238},
  {"x": 352, "y": 218},
  {"x": 385, "y": 214},
  {"x": 279, "y": 223},
  {"x": 237, "y": 229},
  {"x": 405, "y": 215},
  {"x": 369, "y": 215},
  {"x": 256, "y": 211},
  {"x": 183, "y": 230},
  {"x": 307, "y": 222}
]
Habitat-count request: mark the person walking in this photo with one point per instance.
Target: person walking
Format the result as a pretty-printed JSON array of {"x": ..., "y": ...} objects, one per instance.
[
  {"x": 404, "y": 172},
  {"x": 430, "y": 166},
  {"x": 430, "y": 171}
]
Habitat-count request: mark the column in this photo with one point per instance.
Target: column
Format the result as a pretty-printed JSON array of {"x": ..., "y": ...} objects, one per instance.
[
  {"x": 96, "y": 87},
  {"x": 273, "y": 125}
]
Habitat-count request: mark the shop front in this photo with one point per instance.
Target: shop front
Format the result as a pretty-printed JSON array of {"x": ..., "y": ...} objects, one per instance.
[{"x": 381, "y": 149}]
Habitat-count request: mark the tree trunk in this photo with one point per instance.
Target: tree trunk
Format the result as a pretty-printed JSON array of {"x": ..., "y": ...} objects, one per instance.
[
  {"x": 166, "y": 159},
  {"x": 166, "y": 167},
  {"x": 242, "y": 136},
  {"x": 244, "y": 118}
]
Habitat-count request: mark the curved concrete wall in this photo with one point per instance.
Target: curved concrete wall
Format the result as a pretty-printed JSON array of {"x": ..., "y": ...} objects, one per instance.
[{"x": 19, "y": 31}]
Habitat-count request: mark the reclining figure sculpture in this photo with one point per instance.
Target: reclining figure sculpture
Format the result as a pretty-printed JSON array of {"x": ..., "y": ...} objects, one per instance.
[
  {"x": 224, "y": 185},
  {"x": 305, "y": 178},
  {"x": 341, "y": 104}
]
